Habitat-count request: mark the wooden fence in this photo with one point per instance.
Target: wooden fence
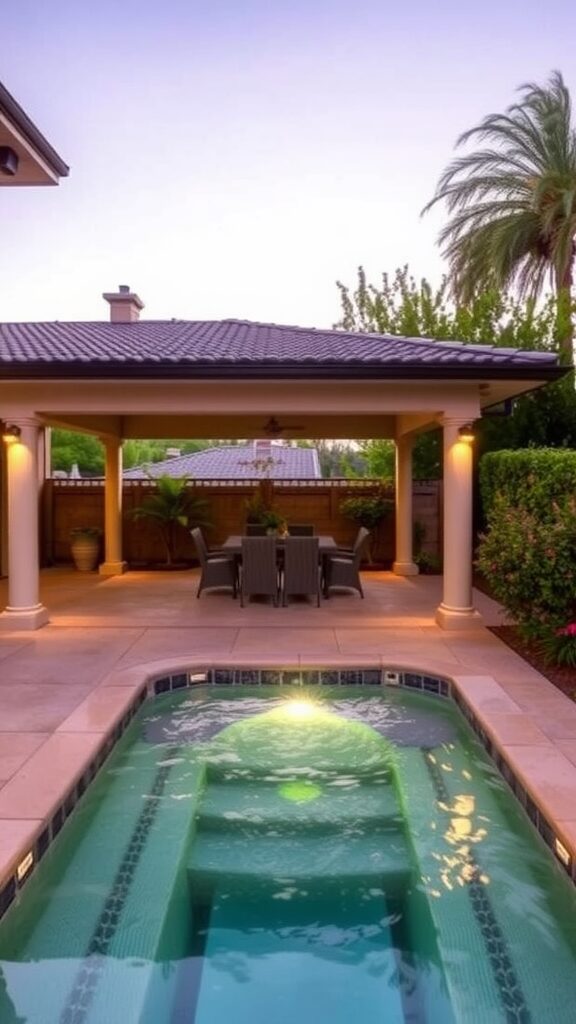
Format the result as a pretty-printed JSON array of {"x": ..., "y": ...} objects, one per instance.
[{"x": 70, "y": 503}]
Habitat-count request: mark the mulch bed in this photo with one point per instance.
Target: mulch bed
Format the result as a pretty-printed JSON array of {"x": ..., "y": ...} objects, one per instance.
[{"x": 563, "y": 678}]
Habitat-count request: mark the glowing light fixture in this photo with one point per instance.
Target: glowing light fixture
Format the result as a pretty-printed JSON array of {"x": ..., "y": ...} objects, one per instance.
[
  {"x": 300, "y": 709},
  {"x": 299, "y": 791},
  {"x": 561, "y": 852},
  {"x": 11, "y": 432},
  {"x": 466, "y": 433}
]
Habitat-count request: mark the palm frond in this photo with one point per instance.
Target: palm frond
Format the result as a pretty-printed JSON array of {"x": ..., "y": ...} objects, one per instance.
[{"x": 512, "y": 202}]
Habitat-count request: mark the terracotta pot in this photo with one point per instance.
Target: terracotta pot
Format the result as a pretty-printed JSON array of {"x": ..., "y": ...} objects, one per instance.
[{"x": 85, "y": 551}]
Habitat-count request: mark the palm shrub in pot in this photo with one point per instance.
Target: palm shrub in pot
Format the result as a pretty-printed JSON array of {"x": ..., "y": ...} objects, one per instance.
[{"x": 171, "y": 507}]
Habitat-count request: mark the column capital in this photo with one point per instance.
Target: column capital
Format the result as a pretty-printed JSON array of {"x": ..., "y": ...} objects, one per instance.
[
  {"x": 23, "y": 421},
  {"x": 457, "y": 421}
]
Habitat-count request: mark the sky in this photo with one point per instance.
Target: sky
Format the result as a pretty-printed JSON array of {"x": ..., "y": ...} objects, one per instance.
[{"x": 235, "y": 158}]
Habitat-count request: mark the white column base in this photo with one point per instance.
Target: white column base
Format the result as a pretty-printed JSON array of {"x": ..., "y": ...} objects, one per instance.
[
  {"x": 24, "y": 618},
  {"x": 405, "y": 569},
  {"x": 457, "y": 618},
  {"x": 112, "y": 568}
]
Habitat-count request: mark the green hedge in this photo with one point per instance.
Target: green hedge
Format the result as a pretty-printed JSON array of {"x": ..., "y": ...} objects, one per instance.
[
  {"x": 528, "y": 552},
  {"x": 529, "y": 478}
]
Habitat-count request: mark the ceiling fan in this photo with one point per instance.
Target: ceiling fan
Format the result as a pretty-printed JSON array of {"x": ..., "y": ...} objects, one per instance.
[{"x": 273, "y": 427}]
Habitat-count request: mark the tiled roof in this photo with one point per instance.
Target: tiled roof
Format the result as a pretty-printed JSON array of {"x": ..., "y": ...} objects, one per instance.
[
  {"x": 235, "y": 462},
  {"x": 238, "y": 347}
]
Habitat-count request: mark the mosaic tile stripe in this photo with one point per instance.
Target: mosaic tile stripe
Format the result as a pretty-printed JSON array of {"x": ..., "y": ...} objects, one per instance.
[
  {"x": 83, "y": 990},
  {"x": 352, "y": 676},
  {"x": 503, "y": 970},
  {"x": 13, "y": 885}
]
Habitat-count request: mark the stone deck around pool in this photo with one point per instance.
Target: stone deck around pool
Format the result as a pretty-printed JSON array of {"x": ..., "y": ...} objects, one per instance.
[{"x": 65, "y": 688}]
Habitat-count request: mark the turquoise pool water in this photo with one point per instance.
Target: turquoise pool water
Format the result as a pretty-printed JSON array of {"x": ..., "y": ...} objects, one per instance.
[{"x": 246, "y": 856}]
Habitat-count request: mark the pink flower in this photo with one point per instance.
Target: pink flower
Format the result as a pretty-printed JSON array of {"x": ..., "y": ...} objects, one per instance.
[{"x": 569, "y": 630}]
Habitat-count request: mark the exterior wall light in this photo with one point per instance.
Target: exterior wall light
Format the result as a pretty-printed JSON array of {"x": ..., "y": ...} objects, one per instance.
[
  {"x": 466, "y": 433},
  {"x": 8, "y": 161},
  {"x": 11, "y": 432}
]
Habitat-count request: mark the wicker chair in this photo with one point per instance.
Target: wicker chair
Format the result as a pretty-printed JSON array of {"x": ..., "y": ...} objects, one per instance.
[
  {"x": 301, "y": 567},
  {"x": 342, "y": 567},
  {"x": 259, "y": 574},
  {"x": 217, "y": 568},
  {"x": 301, "y": 530}
]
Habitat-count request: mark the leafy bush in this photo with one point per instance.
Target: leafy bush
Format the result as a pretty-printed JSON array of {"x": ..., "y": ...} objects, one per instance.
[
  {"x": 366, "y": 511},
  {"x": 529, "y": 560},
  {"x": 530, "y": 478},
  {"x": 559, "y": 646}
]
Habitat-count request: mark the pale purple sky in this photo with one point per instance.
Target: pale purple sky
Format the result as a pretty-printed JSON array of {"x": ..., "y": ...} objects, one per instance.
[{"x": 233, "y": 158}]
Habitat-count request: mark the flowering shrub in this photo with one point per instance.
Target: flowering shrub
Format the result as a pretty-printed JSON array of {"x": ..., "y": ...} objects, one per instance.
[
  {"x": 529, "y": 560},
  {"x": 559, "y": 647}
]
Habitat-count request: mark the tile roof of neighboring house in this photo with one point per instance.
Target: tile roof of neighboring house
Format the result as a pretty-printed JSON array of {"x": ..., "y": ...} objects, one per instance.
[
  {"x": 236, "y": 462},
  {"x": 239, "y": 348}
]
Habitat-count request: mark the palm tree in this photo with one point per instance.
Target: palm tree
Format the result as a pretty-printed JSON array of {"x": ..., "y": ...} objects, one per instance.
[
  {"x": 171, "y": 507},
  {"x": 513, "y": 203}
]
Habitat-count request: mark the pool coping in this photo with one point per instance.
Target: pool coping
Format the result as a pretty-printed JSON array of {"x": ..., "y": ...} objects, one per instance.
[{"x": 541, "y": 777}]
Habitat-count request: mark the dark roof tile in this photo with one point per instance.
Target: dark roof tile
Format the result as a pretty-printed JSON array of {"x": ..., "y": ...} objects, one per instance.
[
  {"x": 234, "y": 462},
  {"x": 187, "y": 343}
]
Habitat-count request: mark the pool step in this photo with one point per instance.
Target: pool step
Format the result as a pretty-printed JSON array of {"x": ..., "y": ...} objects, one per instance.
[
  {"x": 377, "y": 856},
  {"x": 263, "y": 805},
  {"x": 254, "y": 771},
  {"x": 327, "y": 960}
]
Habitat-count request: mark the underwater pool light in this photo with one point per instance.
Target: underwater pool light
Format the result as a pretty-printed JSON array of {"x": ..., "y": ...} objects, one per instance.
[
  {"x": 300, "y": 791},
  {"x": 300, "y": 708}
]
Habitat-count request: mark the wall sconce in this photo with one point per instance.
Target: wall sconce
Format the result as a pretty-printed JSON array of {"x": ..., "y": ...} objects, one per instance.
[
  {"x": 11, "y": 432},
  {"x": 9, "y": 161},
  {"x": 466, "y": 433}
]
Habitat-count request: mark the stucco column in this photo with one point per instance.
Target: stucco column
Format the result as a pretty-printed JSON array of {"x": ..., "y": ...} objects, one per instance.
[
  {"x": 456, "y": 610},
  {"x": 113, "y": 564},
  {"x": 24, "y": 610},
  {"x": 404, "y": 566}
]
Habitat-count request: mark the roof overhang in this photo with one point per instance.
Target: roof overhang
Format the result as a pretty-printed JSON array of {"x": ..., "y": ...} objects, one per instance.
[{"x": 38, "y": 162}]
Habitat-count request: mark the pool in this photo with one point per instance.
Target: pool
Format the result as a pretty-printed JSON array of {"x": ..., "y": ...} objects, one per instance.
[{"x": 270, "y": 854}]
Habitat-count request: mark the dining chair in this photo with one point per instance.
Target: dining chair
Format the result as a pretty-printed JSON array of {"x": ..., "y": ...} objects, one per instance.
[
  {"x": 301, "y": 530},
  {"x": 259, "y": 568},
  {"x": 301, "y": 567},
  {"x": 342, "y": 567},
  {"x": 217, "y": 568},
  {"x": 255, "y": 530}
]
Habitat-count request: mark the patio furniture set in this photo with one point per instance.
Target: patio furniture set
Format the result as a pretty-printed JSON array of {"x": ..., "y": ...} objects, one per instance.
[{"x": 280, "y": 567}]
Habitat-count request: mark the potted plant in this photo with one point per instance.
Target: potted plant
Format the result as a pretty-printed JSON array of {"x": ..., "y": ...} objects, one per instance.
[
  {"x": 274, "y": 521},
  {"x": 85, "y": 547},
  {"x": 367, "y": 511},
  {"x": 171, "y": 507}
]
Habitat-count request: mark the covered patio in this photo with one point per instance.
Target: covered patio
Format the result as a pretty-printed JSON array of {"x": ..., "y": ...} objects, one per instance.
[{"x": 136, "y": 379}]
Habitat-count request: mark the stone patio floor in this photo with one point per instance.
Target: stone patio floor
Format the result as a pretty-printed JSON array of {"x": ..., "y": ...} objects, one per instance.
[{"x": 64, "y": 687}]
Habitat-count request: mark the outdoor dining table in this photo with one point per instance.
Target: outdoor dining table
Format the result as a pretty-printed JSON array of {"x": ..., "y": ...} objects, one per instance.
[{"x": 233, "y": 544}]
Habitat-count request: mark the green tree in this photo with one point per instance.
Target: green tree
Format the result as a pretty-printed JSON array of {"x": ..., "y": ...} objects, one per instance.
[
  {"x": 402, "y": 305},
  {"x": 512, "y": 203},
  {"x": 69, "y": 447}
]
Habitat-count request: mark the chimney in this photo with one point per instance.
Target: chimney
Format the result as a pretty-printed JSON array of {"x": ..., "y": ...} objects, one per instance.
[{"x": 125, "y": 306}]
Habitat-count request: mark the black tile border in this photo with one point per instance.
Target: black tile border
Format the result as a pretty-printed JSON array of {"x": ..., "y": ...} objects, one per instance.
[{"x": 32, "y": 857}]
